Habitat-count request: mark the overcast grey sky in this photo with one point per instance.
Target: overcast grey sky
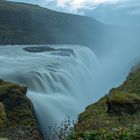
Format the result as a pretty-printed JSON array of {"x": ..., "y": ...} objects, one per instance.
[
  {"x": 73, "y": 6},
  {"x": 104, "y": 10}
]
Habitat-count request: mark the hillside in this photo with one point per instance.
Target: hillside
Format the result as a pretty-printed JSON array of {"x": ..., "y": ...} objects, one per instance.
[
  {"x": 116, "y": 116},
  {"x": 22, "y": 23}
]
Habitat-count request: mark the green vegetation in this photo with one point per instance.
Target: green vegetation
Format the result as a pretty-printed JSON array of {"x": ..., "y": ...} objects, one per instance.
[
  {"x": 17, "y": 118},
  {"x": 22, "y": 23},
  {"x": 114, "y": 117},
  {"x": 18, "y": 107},
  {"x": 2, "y": 115},
  {"x": 120, "y": 102},
  {"x": 122, "y": 97}
]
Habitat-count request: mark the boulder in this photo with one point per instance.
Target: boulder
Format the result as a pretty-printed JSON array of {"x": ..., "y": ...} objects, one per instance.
[{"x": 120, "y": 102}]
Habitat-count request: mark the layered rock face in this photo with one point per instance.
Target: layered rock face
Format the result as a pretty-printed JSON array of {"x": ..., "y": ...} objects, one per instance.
[{"x": 17, "y": 118}]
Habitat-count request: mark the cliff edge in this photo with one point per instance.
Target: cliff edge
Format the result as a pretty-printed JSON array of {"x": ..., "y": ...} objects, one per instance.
[
  {"x": 116, "y": 116},
  {"x": 17, "y": 119}
]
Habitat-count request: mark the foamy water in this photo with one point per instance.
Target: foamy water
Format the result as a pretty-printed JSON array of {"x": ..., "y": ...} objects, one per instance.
[{"x": 60, "y": 84}]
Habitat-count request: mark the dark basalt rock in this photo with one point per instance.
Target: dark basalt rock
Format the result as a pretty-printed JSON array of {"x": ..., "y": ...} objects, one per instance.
[
  {"x": 17, "y": 118},
  {"x": 38, "y": 49},
  {"x": 55, "y": 51}
]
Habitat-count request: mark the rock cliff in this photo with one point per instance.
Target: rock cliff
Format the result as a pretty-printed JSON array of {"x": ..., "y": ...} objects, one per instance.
[{"x": 17, "y": 118}]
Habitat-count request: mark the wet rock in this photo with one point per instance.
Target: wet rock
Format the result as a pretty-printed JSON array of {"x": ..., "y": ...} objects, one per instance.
[
  {"x": 55, "y": 51},
  {"x": 38, "y": 49}
]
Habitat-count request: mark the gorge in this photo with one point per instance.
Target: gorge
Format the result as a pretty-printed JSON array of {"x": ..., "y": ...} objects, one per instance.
[
  {"x": 66, "y": 61},
  {"x": 61, "y": 83}
]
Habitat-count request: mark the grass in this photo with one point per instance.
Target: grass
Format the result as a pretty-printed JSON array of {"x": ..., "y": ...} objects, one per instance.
[
  {"x": 2, "y": 115},
  {"x": 3, "y": 138},
  {"x": 101, "y": 122}
]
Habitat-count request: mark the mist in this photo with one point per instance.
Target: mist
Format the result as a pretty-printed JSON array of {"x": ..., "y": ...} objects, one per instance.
[
  {"x": 73, "y": 60},
  {"x": 68, "y": 82}
]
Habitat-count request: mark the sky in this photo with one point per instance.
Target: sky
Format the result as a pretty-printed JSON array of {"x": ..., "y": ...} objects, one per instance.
[
  {"x": 104, "y": 10},
  {"x": 72, "y": 6}
]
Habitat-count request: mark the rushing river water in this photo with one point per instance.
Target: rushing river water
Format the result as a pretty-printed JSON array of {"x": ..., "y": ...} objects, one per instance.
[{"x": 62, "y": 82}]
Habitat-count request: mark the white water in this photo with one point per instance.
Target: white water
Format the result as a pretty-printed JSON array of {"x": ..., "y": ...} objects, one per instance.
[{"x": 64, "y": 85}]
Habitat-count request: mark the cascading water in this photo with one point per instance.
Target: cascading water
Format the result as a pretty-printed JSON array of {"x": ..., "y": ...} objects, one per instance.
[
  {"x": 62, "y": 83},
  {"x": 59, "y": 84}
]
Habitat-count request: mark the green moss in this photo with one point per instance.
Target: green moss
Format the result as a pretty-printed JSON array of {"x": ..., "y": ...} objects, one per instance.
[
  {"x": 2, "y": 116},
  {"x": 132, "y": 84},
  {"x": 122, "y": 97},
  {"x": 114, "y": 117},
  {"x": 19, "y": 109},
  {"x": 23, "y": 117},
  {"x": 16, "y": 113}
]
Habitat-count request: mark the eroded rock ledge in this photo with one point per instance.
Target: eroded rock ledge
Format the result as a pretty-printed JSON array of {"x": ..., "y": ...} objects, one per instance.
[{"x": 17, "y": 119}]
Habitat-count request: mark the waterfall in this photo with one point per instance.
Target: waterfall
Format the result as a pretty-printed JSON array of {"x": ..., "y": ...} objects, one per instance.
[
  {"x": 59, "y": 85},
  {"x": 63, "y": 81}
]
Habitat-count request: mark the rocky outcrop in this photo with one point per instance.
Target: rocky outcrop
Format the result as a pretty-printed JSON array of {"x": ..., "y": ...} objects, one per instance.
[
  {"x": 121, "y": 103},
  {"x": 115, "y": 116},
  {"x": 56, "y": 51},
  {"x": 17, "y": 119},
  {"x": 2, "y": 116}
]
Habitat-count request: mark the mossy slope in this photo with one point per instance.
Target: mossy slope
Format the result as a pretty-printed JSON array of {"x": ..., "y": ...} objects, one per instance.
[
  {"x": 2, "y": 115},
  {"x": 114, "y": 117},
  {"x": 22, "y": 23},
  {"x": 17, "y": 119}
]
